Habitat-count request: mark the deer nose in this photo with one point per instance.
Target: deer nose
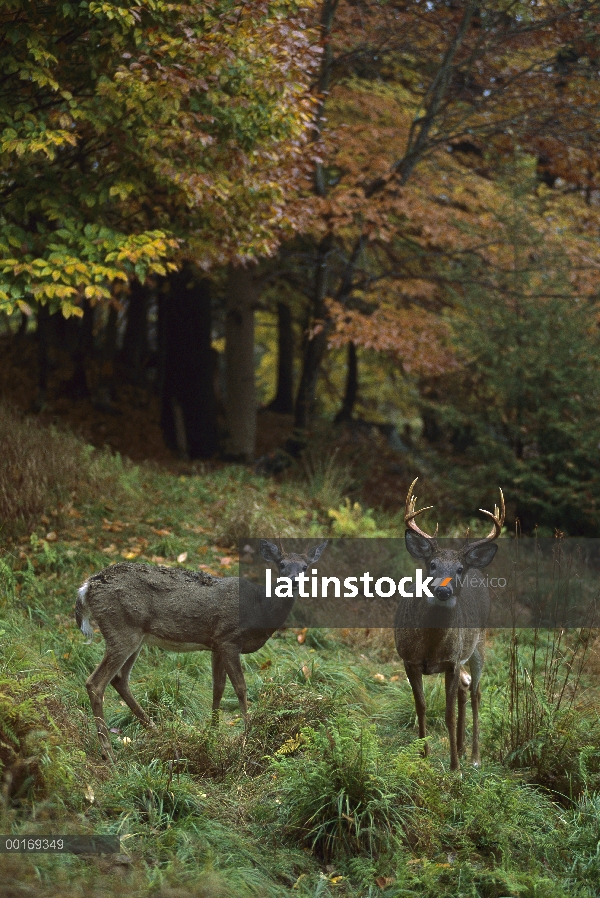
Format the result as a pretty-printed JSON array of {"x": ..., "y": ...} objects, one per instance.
[{"x": 443, "y": 593}]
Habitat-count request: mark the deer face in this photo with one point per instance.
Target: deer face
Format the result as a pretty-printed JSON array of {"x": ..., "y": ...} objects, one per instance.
[
  {"x": 447, "y": 566},
  {"x": 289, "y": 563}
]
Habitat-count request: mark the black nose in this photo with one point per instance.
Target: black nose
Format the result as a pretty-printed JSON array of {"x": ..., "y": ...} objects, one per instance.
[{"x": 443, "y": 593}]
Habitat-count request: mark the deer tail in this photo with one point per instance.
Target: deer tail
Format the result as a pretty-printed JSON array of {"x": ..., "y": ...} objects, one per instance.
[{"x": 82, "y": 612}]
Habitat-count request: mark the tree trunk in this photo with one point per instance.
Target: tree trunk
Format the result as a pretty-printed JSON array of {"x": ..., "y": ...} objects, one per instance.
[
  {"x": 77, "y": 387},
  {"x": 109, "y": 347},
  {"x": 135, "y": 339},
  {"x": 105, "y": 392},
  {"x": 188, "y": 416},
  {"x": 351, "y": 392},
  {"x": 239, "y": 363},
  {"x": 284, "y": 397},
  {"x": 315, "y": 345},
  {"x": 43, "y": 346},
  {"x": 22, "y": 329}
]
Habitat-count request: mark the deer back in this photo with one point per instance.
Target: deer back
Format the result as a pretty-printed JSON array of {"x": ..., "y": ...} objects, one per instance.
[{"x": 173, "y": 605}]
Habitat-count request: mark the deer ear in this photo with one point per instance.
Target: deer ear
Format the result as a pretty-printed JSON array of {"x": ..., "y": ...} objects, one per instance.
[
  {"x": 269, "y": 551},
  {"x": 480, "y": 556},
  {"x": 315, "y": 553},
  {"x": 419, "y": 547}
]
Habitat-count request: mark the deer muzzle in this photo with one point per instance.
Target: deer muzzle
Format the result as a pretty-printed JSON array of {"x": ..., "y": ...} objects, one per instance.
[{"x": 443, "y": 593}]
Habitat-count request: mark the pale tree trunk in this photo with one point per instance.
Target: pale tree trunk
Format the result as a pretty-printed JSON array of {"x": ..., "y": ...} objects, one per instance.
[{"x": 241, "y": 295}]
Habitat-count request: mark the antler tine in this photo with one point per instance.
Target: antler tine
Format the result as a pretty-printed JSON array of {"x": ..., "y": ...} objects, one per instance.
[
  {"x": 497, "y": 517},
  {"x": 410, "y": 513}
]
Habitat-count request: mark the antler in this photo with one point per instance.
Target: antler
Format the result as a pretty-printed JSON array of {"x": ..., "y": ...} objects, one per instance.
[
  {"x": 498, "y": 519},
  {"x": 410, "y": 513}
]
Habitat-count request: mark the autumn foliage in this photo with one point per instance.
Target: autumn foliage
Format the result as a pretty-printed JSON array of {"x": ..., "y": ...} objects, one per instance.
[{"x": 132, "y": 134}]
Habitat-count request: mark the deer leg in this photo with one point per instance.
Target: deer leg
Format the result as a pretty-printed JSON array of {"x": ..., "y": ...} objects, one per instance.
[
  {"x": 464, "y": 684},
  {"x": 230, "y": 656},
  {"x": 219, "y": 678},
  {"x": 476, "y": 667},
  {"x": 121, "y": 683},
  {"x": 452, "y": 681},
  {"x": 96, "y": 684},
  {"x": 415, "y": 678}
]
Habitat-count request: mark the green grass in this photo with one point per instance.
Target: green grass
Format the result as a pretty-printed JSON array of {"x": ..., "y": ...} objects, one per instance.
[{"x": 325, "y": 795}]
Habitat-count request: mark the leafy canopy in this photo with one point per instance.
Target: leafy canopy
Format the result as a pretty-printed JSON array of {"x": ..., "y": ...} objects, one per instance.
[{"x": 134, "y": 134}]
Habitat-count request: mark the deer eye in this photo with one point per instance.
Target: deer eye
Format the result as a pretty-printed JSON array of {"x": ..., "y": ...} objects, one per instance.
[
  {"x": 459, "y": 570},
  {"x": 432, "y": 565}
]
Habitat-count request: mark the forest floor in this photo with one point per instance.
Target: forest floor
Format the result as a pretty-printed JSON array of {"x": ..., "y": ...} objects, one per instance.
[{"x": 326, "y": 794}]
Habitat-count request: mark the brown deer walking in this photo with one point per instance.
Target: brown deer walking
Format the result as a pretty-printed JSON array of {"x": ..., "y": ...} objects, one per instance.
[
  {"x": 181, "y": 611},
  {"x": 441, "y": 633}
]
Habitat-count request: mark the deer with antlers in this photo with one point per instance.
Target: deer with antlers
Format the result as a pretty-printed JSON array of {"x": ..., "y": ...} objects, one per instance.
[{"x": 439, "y": 634}]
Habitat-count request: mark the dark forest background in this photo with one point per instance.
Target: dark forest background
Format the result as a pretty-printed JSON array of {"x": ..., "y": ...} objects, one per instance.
[{"x": 252, "y": 233}]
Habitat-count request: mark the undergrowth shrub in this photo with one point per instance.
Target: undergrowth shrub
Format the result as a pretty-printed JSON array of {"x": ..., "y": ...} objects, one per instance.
[
  {"x": 583, "y": 842},
  {"x": 188, "y": 749},
  {"x": 336, "y": 795},
  {"x": 249, "y": 515},
  {"x": 30, "y": 766},
  {"x": 41, "y": 467},
  {"x": 352, "y": 521},
  {"x": 503, "y": 818},
  {"x": 278, "y": 719},
  {"x": 545, "y": 725},
  {"x": 158, "y": 795},
  {"x": 327, "y": 478}
]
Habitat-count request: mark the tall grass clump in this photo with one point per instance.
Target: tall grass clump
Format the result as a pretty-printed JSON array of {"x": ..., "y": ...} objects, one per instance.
[
  {"x": 41, "y": 467},
  {"x": 335, "y": 795},
  {"x": 327, "y": 479},
  {"x": 32, "y": 764},
  {"x": 584, "y": 842},
  {"x": 248, "y": 515},
  {"x": 546, "y": 726}
]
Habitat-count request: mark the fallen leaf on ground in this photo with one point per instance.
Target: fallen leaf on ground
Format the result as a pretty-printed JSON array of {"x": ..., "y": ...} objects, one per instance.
[{"x": 113, "y": 526}]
